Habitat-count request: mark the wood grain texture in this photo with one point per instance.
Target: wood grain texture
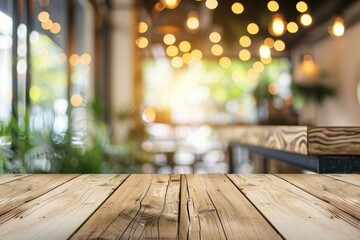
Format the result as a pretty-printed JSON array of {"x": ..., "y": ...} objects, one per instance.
[
  {"x": 144, "y": 206},
  {"x": 350, "y": 178},
  {"x": 295, "y": 213},
  {"x": 343, "y": 195},
  {"x": 285, "y": 138},
  {"x": 22, "y": 190},
  {"x": 57, "y": 214},
  {"x": 334, "y": 140},
  {"x": 10, "y": 177},
  {"x": 217, "y": 210}
]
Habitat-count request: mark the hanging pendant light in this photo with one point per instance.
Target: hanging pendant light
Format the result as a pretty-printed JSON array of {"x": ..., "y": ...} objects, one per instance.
[{"x": 277, "y": 25}]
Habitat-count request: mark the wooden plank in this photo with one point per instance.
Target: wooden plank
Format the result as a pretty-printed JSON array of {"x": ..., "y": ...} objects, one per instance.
[
  {"x": 57, "y": 214},
  {"x": 285, "y": 138},
  {"x": 22, "y": 190},
  {"x": 145, "y": 206},
  {"x": 4, "y": 178},
  {"x": 295, "y": 213},
  {"x": 350, "y": 178},
  {"x": 334, "y": 140},
  {"x": 218, "y": 210},
  {"x": 343, "y": 195}
]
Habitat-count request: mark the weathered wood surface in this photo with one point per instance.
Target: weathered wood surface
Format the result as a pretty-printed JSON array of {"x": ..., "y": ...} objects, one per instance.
[
  {"x": 314, "y": 141},
  {"x": 334, "y": 140},
  {"x": 295, "y": 213},
  {"x": 10, "y": 177},
  {"x": 182, "y": 207}
]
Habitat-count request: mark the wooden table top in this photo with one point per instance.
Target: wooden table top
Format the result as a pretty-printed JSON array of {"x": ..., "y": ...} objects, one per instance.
[
  {"x": 109, "y": 206},
  {"x": 314, "y": 141}
]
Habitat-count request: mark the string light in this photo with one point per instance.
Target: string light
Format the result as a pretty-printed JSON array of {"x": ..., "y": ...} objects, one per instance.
[
  {"x": 142, "y": 27},
  {"x": 306, "y": 19},
  {"x": 215, "y": 37},
  {"x": 193, "y": 21},
  {"x": 142, "y": 42},
  {"x": 245, "y": 41},
  {"x": 184, "y": 46},
  {"x": 292, "y": 27},
  {"x": 264, "y": 51},
  {"x": 277, "y": 25},
  {"x": 301, "y": 6},
  {"x": 338, "y": 27},
  {"x": 253, "y": 28},
  {"x": 273, "y": 6},
  {"x": 225, "y": 62},
  {"x": 217, "y": 50},
  {"x": 237, "y": 8},
  {"x": 211, "y": 4},
  {"x": 169, "y": 39},
  {"x": 244, "y": 55},
  {"x": 171, "y": 4}
]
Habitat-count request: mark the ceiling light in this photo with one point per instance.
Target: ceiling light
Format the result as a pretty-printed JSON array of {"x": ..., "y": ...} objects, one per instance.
[
  {"x": 172, "y": 51},
  {"x": 225, "y": 62},
  {"x": 215, "y": 37},
  {"x": 277, "y": 25},
  {"x": 279, "y": 45},
  {"x": 43, "y": 16},
  {"x": 244, "y": 55},
  {"x": 273, "y": 6},
  {"x": 264, "y": 51},
  {"x": 217, "y": 50},
  {"x": 338, "y": 27},
  {"x": 211, "y": 4},
  {"x": 142, "y": 27},
  {"x": 306, "y": 19},
  {"x": 292, "y": 27},
  {"x": 237, "y": 8},
  {"x": 184, "y": 46},
  {"x": 245, "y": 41},
  {"x": 269, "y": 42},
  {"x": 142, "y": 42},
  {"x": 301, "y": 6},
  {"x": 171, "y": 4},
  {"x": 196, "y": 54},
  {"x": 177, "y": 62},
  {"x": 193, "y": 21},
  {"x": 253, "y": 28},
  {"x": 169, "y": 39}
]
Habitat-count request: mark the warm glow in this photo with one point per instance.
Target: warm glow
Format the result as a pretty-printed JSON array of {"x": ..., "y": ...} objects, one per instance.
[
  {"x": 74, "y": 59},
  {"x": 253, "y": 75},
  {"x": 306, "y": 19},
  {"x": 217, "y": 50},
  {"x": 211, "y": 4},
  {"x": 85, "y": 59},
  {"x": 237, "y": 8},
  {"x": 148, "y": 115},
  {"x": 273, "y": 6},
  {"x": 35, "y": 93},
  {"x": 55, "y": 28},
  {"x": 47, "y": 25},
  {"x": 196, "y": 54},
  {"x": 169, "y": 39},
  {"x": 171, "y": 4},
  {"x": 193, "y": 21},
  {"x": 184, "y": 46},
  {"x": 265, "y": 51},
  {"x": 172, "y": 51},
  {"x": 269, "y": 42},
  {"x": 215, "y": 37},
  {"x": 258, "y": 66},
  {"x": 244, "y": 55},
  {"x": 186, "y": 58},
  {"x": 177, "y": 62},
  {"x": 245, "y": 41},
  {"x": 76, "y": 100},
  {"x": 43, "y": 16},
  {"x": 266, "y": 60},
  {"x": 273, "y": 89},
  {"x": 302, "y": 6},
  {"x": 307, "y": 72},
  {"x": 159, "y": 6},
  {"x": 277, "y": 25},
  {"x": 252, "y": 28},
  {"x": 225, "y": 62},
  {"x": 142, "y": 27},
  {"x": 142, "y": 42},
  {"x": 292, "y": 27},
  {"x": 279, "y": 45},
  {"x": 338, "y": 28}
]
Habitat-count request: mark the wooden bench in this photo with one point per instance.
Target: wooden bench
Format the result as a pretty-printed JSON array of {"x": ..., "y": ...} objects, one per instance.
[
  {"x": 303, "y": 206},
  {"x": 319, "y": 149}
]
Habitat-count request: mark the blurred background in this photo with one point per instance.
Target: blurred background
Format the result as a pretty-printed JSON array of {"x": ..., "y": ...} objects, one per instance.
[{"x": 115, "y": 86}]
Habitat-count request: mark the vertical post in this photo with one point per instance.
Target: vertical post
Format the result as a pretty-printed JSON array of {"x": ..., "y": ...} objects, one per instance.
[
  {"x": 231, "y": 157},
  {"x": 29, "y": 6},
  {"x": 14, "y": 101},
  {"x": 70, "y": 42}
]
